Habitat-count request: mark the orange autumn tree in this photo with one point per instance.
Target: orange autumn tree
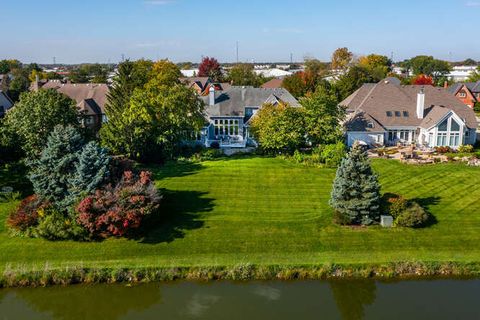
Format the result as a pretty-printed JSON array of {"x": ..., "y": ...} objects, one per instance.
[{"x": 423, "y": 80}]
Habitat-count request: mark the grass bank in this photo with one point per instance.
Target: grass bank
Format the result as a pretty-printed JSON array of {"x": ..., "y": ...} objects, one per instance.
[{"x": 271, "y": 217}]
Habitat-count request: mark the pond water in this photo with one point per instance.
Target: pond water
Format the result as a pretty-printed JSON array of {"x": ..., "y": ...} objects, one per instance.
[{"x": 439, "y": 299}]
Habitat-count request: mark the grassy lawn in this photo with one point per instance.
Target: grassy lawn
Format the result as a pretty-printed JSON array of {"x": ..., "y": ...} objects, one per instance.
[{"x": 269, "y": 211}]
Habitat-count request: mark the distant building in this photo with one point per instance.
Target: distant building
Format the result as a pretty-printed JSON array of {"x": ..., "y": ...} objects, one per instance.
[
  {"x": 91, "y": 99},
  {"x": 273, "y": 73},
  {"x": 188, "y": 73},
  {"x": 275, "y": 83},
  {"x": 468, "y": 92},
  {"x": 461, "y": 73}
]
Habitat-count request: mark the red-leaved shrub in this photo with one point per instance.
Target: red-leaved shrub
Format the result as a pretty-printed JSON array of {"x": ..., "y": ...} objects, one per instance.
[
  {"x": 27, "y": 213},
  {"x": 443, "y": 149},
  {"x": 116, "y": 211}
]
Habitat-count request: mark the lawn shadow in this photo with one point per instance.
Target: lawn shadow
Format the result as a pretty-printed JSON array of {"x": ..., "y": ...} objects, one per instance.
[
  {"x": 179, "y": 212},
  {"x": 174, "y": 169},
  {"x": 426, "y": 203}
]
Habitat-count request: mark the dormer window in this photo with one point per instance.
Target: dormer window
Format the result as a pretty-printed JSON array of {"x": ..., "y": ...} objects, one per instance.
[
  {"x": 389, "y": 114},
  {"x": 370, "y": 125},
  {"x": 398, "y": 114}
]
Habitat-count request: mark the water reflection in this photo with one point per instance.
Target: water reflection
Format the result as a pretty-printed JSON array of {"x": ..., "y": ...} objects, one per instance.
[
  {"x": 351, "y": 297},
  {"x": 444, "y": 299}
]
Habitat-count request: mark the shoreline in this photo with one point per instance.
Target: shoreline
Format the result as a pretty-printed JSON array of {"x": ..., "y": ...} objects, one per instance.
[{"x": 245, "y": 272}]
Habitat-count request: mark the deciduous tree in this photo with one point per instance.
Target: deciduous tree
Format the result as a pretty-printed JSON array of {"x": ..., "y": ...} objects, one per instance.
[
  {"x": 35, "y": 116},
  {"x": 279, "y": 128},
  {"x": 210, "y": 68},
  {"x": 323, "y": 116},
  {"x": 341, "y": 59}
]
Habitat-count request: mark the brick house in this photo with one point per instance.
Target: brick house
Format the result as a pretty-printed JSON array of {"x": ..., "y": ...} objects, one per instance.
[{"x": 468, "y": 92}]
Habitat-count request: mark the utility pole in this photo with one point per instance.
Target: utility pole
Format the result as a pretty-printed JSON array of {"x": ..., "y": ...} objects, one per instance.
[
  {"x": 237, "y": 51},
  {"x": 123, "y": 57},
  {"x": 54, "y": 61},
  {"x": 291, "y": 58}
]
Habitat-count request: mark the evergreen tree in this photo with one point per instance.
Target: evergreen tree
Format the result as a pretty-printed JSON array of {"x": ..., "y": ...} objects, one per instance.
[
  {"x": 131, "y": 75},
  {"x": 356, "y": 190},
  {"x": 51, "y": 173},
  {"x": 91, "y": 170}
]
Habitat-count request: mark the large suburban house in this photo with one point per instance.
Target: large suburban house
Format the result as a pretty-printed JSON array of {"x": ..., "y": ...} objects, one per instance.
[
  {"x": 5, "y": 103},
  {"x": 90, "y": 98},
  {"x": 228, "y": 114},
  {"x": 387, "y": 113},
  {"x": 468, "y": 93}
]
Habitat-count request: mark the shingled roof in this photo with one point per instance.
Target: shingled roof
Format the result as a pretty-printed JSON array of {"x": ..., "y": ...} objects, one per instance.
[
  {"x": 394, "y": 105},
  {"x": 474, "y": 87},
  {"x": 234, "y": 101},
  {"x": 90, "y": 98}
]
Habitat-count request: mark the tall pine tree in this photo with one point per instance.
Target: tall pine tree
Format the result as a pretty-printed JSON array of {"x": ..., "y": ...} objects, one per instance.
[
  {"x": 356, "y": 190},
  {"x": 130, "y": 75}
]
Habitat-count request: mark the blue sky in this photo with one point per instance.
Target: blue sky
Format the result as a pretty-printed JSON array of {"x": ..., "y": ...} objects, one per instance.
[{"x": 184, "y": 30}]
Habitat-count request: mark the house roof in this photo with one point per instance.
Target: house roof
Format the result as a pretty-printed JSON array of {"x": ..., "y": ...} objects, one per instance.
[
  {"x": 273, "y": 84},
  {"x": 91, "y": 98},
  {"x": 234, "y": 101},
  {"x": 433, "y": 116},
  {"x": 204, "y": 83},
  {"x": 474, "y": 87},
  {"x": 401, "y": 103},
  {"x": 362, "y": 121}
]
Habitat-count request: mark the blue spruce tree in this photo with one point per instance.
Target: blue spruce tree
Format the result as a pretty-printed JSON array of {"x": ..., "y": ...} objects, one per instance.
[
  {"x": 356, "y": 191},
  {"x": 51, "y": 173},
  {"x": 91, "y": 170}
]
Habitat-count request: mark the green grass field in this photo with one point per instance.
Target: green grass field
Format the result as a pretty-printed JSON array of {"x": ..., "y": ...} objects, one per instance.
[{"x": 268, "y": 211}]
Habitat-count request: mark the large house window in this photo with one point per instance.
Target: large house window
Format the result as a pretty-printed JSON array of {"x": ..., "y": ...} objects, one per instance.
[
  {"x": 397, "y": 114},
  {"x": 462, "y": 94},
  {"x": 442, "y": 139},
  {"x": 226, "y": 127},
  {"x": 454, "y": 139}
]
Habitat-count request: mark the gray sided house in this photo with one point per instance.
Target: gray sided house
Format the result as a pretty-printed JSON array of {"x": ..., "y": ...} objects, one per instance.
[
  {"x": 5, "y": 103},
  {"x": 228, "y": 114},
  {"x": 387, "y": 113}
]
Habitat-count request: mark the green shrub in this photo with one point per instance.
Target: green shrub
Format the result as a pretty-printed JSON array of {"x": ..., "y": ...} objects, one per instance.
[
  {"x": 396, "y": 204},
  {"x": 54, "y": 225},
  {"x": 413, "y": 217},
  {"x": 298, "y": 157},
  {"x": 332, "y": 154},
  {"x": 465, "y": 148}
]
